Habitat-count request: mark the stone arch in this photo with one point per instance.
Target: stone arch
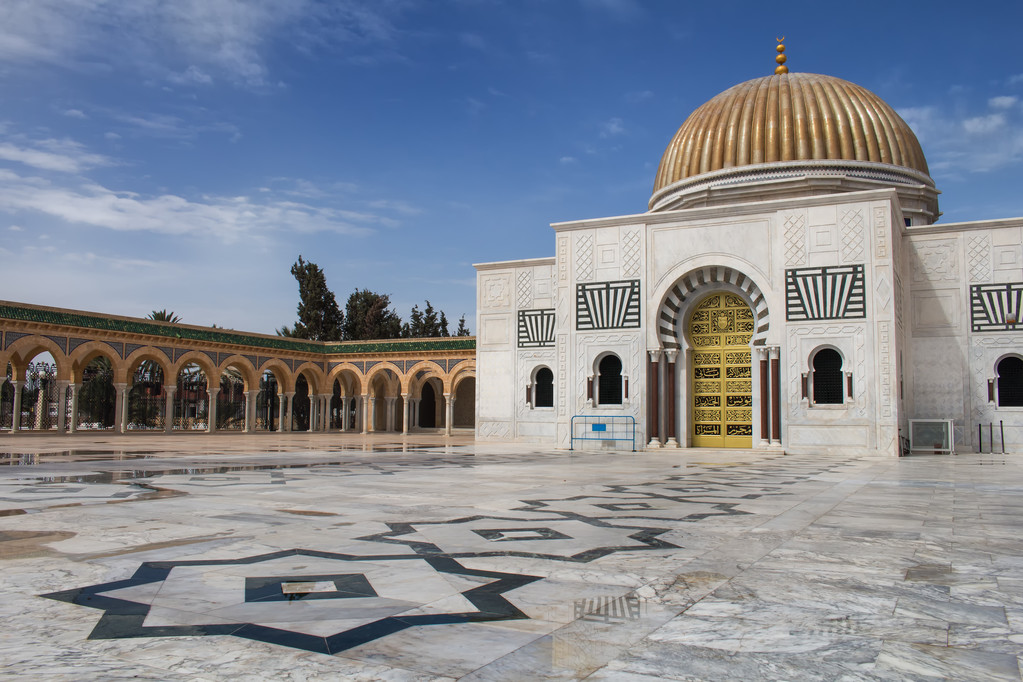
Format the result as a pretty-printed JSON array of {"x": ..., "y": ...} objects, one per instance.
[
  {"x": 150, "y": 353},
  {"x": 409, "y": 382},
  {"x": 22, "y": 351},
  {"x": 349, "y": 376},
  {"x": 367, "y": 381},
  {"x": 313, "y": 376},
  {"x": 693, "y": 284},
  {"x": 282, "y": 373},
  {"x": 89, "y": 351},
  {"x": 195, "y": 357},
  {"x": 457, "y": 373},
  {"x": 244, "y": 365}
]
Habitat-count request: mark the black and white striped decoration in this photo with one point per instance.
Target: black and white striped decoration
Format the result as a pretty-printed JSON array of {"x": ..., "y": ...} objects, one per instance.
[
  {"x": 607, "y": 305},
  {"x": 834, "y": 293},
  {"x": 690, "y": 285},
  {"x": 995, "y": 307},
  {"x": 536, "y": 328}
]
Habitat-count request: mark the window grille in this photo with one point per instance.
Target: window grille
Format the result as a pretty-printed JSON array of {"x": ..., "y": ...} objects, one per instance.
[
  {"x": 1010, "y": 382},
  {"x": 609, "y": 384},
  {"x": 544, "y": 388},
  {"x": 827, "y": 377}
]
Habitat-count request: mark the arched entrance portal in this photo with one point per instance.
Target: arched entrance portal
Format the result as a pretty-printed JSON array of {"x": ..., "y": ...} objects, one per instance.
[{"x": 719, "y": 333}]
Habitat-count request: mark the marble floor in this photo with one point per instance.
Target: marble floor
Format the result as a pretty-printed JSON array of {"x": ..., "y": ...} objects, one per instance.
[{"x": 321, "y": 557}]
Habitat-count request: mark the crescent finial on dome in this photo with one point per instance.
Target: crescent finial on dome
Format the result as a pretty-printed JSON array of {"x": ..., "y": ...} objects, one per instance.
[{"x": 781, "y": 58}]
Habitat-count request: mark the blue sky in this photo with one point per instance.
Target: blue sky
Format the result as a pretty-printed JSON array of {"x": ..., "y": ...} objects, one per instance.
[{"x": 181, "y": 155}]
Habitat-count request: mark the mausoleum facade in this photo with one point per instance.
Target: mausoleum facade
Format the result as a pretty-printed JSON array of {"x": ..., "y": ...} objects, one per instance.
[{"x": 787, "y": 288}]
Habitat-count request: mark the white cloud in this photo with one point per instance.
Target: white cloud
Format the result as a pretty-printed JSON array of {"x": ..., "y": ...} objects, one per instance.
[
  {"x": 567, "y": 160},
  {"x": 612, "y": 127},
  {"x": 75, "y": 113},
  {"x": 193, "y": 75},
  {"x": 16, "y": 228},
  {"x": 64, "y": 156},
  {"x": 638, "y": 96},
  {"x": 1016, "y": 79},
  {"x": 984, "y": 125},
  {"x": 475, "y": 106},
  {"x": 1003, "y": 102},
  {"x": 219, "y": 217},
  {"x": 963, "y": 143},
  {"x": 188, "y": 41}
]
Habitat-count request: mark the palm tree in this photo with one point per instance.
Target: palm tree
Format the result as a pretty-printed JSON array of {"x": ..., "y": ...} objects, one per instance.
[{"x": 163, "y": 316}]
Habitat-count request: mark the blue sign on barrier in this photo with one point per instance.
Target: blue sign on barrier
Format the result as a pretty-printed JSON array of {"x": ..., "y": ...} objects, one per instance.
[{"x": 599, "y": 427}]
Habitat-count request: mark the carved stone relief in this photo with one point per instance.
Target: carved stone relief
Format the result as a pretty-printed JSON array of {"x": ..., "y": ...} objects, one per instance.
[
  {"x": 852, "y": 235},
  {"x": 794, "y": 225},
  {"x": 584, "y": 258},
  {"x": 881, "y": 231},
  {"x": 936, "y": 261},
  {"x": 630, "y": 253},
  {"x": 525, "y": 289},
  {"x": 978, "y": 253},
  {"x": 495, "y": 292}
]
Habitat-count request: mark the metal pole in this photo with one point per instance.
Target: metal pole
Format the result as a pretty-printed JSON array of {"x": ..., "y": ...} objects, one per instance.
[
  {"x": 991, "y": 438},
  {"x": 980, "y": 438},
  {"x": 1001, "y": 427}
]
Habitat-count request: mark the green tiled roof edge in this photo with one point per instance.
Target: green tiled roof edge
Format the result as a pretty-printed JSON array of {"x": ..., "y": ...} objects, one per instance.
[{"x": 69, "y": 319}]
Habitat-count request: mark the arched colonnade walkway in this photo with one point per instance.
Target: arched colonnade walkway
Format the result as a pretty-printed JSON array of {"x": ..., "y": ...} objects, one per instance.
[{"x": 130, "y": 374}]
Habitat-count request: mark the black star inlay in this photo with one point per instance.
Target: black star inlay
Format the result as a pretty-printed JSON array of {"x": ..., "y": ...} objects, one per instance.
[{"x": 124, "y": 618}]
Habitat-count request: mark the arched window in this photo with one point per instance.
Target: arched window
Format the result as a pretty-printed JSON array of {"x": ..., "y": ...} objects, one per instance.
[
  {"x": 1010, "y": 382},
  {"x": 543, "y": 388},
  {"x": 609, "y": 381},
  {"x": 827, "y": 377}
]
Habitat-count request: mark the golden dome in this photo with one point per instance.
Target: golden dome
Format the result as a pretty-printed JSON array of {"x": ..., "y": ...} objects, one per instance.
[{"x": 789, "y": 118}]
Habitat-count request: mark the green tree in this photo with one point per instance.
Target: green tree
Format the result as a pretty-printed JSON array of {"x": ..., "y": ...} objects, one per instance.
[
  {"x": 427, "y": 323},
  {"x": 462, "y": 330},
  {"x": 163, "y": 316},
  {"x": 319, "y": 317},
  {"x": 368, "y": 315}
]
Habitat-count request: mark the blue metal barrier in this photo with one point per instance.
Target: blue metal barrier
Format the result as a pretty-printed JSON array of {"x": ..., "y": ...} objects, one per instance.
[{"x": 603, "y": 427}]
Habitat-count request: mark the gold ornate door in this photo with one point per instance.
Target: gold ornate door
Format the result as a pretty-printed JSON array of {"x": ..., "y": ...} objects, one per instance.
[{"x": 720, "y": 331}]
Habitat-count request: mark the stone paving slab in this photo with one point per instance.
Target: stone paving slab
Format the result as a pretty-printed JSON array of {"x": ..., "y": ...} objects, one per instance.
[{"x": 315, "y": 556}]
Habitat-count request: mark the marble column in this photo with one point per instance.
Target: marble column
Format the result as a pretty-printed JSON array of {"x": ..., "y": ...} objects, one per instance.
[
  {"x": 73, "y": 426},
  {"x": 775, "y": 352},
  {"x": 16, "y": 408},
  {"x": 288, "y": 423},
  {"x": 282, "y": 404},
  {"x": 344, "y": 413},
  {"x": 211, "y": 408},
  {"x": 653, "y": 389},
  {"x": 314, "y": 408},
  {"x": 62, "y": 405},
  {"x": 765, "y": 397},
  {"x": 364, "y": 412},
  {"x": 120, "y": 407},
  {"x": 449, "y": 412},
  {"x": 168, "y": 407},
  {"x": 390, "y": 414},
  {"x": 672, "y": 414},
  {"x": 250, "y": 410},
  {"x": 406, "y": 413}
]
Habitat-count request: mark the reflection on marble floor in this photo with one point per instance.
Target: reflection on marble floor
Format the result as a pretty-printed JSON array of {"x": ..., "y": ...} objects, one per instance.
[{"x": 212, "y": 560}]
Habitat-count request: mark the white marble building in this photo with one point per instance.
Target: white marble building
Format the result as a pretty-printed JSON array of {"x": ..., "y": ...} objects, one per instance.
[{"x": 787, "y": 288}]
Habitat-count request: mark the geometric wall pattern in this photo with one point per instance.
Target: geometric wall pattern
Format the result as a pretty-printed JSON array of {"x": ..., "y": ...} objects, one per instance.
[
  {"x": 607, "y": 305},
  {"x": 831, "y": 293},
  {"x": 995, "y": 307},
  {"x": 536, "y": 328}
]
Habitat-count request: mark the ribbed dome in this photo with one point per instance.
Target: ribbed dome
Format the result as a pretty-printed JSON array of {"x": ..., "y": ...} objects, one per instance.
[{"x": 795, "y": 117}]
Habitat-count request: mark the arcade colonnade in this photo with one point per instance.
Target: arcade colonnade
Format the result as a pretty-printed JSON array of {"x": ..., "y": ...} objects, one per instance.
[{"x": 129, "y": 374}]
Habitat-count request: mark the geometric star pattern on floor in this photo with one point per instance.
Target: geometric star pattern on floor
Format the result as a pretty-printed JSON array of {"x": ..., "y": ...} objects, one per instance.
[
  {"x": 564, "y": 537},
  {"x": 317, "y": 601}
]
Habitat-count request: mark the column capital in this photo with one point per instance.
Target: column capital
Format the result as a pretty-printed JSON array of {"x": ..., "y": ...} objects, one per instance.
[
  {"x": 288, "y": 394},
  {"x": 774, "y": 352},
  {"x": 655, "y": 354},
  {"x": 170, "y": 388},
  {"x": 670, "y": 354},
  {"x": 213, "y": 390}
]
